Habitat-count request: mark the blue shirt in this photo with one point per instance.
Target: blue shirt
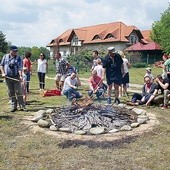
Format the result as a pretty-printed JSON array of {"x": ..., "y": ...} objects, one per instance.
[{"x": 11, "y": 65}]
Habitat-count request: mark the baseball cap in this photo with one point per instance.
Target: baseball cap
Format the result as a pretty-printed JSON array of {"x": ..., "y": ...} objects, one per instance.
[
  {"x": 148, "y": 69},
  {"x": 14, "y": 48},
  {"x": 112, "y": 49}
]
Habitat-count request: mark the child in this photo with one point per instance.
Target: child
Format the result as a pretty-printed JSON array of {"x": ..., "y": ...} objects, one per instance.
[{"x": 24, "y": 84}]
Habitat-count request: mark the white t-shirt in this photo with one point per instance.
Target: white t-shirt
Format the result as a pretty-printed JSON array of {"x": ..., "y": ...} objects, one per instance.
[
  {"x": 42, "y": 66},
  {"x": 125, "y": 64},
  {"x": 99, "y": 70},
  {"x": 67, "y": 81}
]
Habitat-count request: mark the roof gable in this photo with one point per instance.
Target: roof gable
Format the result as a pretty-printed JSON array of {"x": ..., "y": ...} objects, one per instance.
[{"x": 109, "y": 32}]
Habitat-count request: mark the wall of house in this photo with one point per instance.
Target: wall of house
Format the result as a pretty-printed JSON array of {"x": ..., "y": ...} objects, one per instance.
[
  {"x": 119, "y": 46},
  {"x": 66, "y": 50}
]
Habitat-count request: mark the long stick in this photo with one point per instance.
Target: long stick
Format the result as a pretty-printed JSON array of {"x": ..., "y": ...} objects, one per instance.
[{"x": 11, "y": 78}]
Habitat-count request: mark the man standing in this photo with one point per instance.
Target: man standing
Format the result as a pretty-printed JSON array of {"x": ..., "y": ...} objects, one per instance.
[
  {"x": 113, "y": 68},
  {"x": 95, "y": 57},
  {"x": 11, "y": 68},
  {"x": 61, "y": 70}
]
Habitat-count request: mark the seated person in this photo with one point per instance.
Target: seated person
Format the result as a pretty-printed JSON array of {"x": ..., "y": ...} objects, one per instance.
[
  {"x": 147, "y": 91},
  {"x": 164, "y": 86},
  {"x": 95, "y": 83},
  {"x": 70, "y": 87}
]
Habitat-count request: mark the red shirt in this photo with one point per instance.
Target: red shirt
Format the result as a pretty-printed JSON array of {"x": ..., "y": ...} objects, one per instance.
[
  {"x": 27, "y": 63},
  {"x": 95, "y": 81}
]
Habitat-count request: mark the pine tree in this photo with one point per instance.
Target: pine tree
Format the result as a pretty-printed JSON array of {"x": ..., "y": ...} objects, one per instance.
[{"x": 3, "y": 43}]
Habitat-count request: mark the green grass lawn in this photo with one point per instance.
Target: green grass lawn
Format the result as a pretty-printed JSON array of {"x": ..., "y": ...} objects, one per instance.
[{"x": 20, "y": 148}]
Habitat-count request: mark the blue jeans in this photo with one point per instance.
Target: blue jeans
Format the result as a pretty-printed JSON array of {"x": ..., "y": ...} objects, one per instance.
[
  {"x": 71, "y": 93},
  {"x": 28, "y": 80},
  {"x": 98, "y": 93}
]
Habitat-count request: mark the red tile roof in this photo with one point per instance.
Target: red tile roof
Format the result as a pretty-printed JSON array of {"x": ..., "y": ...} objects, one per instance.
[
  {"x": 143, "y": 47},
  {"x": 118, "y": 30}
]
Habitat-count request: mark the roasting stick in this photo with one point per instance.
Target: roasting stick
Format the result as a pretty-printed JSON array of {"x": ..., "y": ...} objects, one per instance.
[{"x": 11, "y": 78}]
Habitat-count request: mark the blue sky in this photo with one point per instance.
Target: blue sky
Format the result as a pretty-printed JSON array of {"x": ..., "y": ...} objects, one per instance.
[{"x": 36, "y": 22}]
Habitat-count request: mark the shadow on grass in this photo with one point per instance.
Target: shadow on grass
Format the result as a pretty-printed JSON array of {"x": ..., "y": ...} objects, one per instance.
[
  {"x": 5, "y": 117},
  {"x": 93, "y": 144}
]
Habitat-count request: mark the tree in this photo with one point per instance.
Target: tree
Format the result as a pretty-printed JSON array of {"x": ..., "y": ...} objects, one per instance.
[
  {"x": 161, "y": 31},
  {"x": 3, "y": 43}
]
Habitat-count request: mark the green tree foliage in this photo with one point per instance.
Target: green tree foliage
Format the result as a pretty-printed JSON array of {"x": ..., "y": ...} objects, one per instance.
[
  {"x": 3, "y": 44},
  {"x": 161, "y": 31},
  {"x": 83, "y": 59}
]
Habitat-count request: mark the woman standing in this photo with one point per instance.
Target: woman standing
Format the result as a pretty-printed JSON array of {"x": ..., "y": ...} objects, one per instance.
[
  {"x": 42, "y": 68},
  {"x": 27, "y": 63}
]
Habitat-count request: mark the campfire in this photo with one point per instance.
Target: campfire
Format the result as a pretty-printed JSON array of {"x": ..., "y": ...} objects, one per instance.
[{"x": 84, "y": 115}]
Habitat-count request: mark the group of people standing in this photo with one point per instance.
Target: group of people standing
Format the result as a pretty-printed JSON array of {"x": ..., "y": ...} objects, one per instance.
[
  {"x": 114, "y": 67},
  {"x": 17, "y": 72}
]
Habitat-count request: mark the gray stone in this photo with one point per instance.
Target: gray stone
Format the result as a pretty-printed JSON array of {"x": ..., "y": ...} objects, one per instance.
[
  {"x": 133, "y": 125},
  {"x": 113, "y": 131},
  {"x": 126, "y": 128},
  {"x": 142, "y": 119},
  {"x": 64, "y": 129},
  {"x": 39, "y": 115},
  {"x": 53, "y": 128},
  {"x": 97, "y": 130},
  {"x": 139, "y": 111},
  {"x": 121, "y": 105},
  {"x": 158, "y": 99},
  {"x": 80, "y": 132},
  {"x": 43, "y": 123},
  {"x": 49, "y": 111}
]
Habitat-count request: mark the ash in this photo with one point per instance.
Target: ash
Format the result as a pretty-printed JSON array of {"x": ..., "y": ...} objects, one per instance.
[{"x": 84, "y": 118}]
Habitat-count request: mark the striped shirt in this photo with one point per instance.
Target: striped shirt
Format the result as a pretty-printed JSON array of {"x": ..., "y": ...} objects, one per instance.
[{"x": 61, "y": 66}]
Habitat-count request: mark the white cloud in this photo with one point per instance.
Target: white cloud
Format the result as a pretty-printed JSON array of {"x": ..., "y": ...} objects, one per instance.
[{"x": 37, "y": 22}]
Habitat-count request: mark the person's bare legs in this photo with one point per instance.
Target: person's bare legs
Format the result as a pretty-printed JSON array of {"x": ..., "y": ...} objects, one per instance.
[
  {"x": 57, "y": 84},
  {"x": 116, "y": 87}
]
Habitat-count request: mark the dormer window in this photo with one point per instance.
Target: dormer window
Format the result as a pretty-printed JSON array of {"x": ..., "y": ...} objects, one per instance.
[
  {"x": 75, "y": 40},
  {"x": 61, "y": 40},
  {"x": 133, "y": 39},
  {"x": 109, "y": 36},
  {"x": 96, "y": 37}
]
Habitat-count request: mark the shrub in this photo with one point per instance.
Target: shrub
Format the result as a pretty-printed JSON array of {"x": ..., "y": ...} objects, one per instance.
[{"x": 140, "y": 65}]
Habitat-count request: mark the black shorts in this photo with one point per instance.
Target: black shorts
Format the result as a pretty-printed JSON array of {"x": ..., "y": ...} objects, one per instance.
[
  {"x": 117, "y": 81},
  {"x": 125, "y": 79}
]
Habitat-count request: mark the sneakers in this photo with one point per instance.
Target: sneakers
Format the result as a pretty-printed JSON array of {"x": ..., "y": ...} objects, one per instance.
[
  {"x": 117, "y": 101},
  {"x": 90, "y": 93},
  {"x": 109, "y": 101},
  {"x": 13, "y": 110},
  {"x": 24, "y": 109}
]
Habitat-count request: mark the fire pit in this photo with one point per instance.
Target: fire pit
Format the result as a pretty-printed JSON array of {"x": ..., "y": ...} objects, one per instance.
[{"x": 84, "y": 117}]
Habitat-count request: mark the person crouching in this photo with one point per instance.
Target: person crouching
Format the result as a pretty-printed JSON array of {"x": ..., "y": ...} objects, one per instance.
[
  {"x": 71, "y": 84},
  {"x": 95, "y": 83}
]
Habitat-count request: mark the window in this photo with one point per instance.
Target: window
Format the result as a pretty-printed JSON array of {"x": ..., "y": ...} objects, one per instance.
[
  {"x": 109, "y": 36},
  {"x": 60, "y": 40},
  {"x": 96, "y": 37},
  {"x": 75, "y": 40}
]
